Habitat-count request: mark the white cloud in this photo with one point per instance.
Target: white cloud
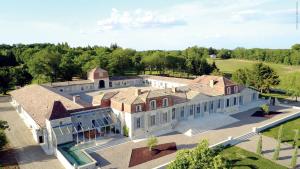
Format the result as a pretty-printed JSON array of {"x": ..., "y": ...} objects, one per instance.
[{"x": 138, "y": 19}]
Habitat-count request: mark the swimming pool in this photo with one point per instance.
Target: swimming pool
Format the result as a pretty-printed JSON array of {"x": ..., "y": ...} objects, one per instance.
[{"x": 74, "y": 155}]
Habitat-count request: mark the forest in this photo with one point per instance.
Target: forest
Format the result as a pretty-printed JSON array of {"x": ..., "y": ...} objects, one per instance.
[{"x": 22, "y": 64}]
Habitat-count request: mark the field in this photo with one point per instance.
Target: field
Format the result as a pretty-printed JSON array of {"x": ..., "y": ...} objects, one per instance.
[
  {"x": 288, "y": 131},
  {"x": 242, "y": 159},
  {"x": 231, "y": 65}
]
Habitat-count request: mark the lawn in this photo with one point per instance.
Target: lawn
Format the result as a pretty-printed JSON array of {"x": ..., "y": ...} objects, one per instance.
[
  {"x": 242, "y": 159},
  {"x": 288, "y": 131},
  {"x": 229, "y": 66}
]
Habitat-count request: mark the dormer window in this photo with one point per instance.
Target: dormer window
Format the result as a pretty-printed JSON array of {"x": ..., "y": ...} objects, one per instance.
[
  {"x": 153, "y": 104},
  {"x": 236, "y": 89},
  {"x": 165, "y": 102},
  {"x": 228, "y": 90},
  {"x": 138, "y": 108}
]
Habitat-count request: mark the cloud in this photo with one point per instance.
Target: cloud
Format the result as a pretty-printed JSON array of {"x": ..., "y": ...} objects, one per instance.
[{"x": 138, "y": 19}]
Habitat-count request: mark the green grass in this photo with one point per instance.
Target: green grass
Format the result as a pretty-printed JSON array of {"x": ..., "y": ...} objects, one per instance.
[
  {"x": 229, "y": 66},
  {"x": 288, "y": 131},
  {"x": 242, "y": 159}
]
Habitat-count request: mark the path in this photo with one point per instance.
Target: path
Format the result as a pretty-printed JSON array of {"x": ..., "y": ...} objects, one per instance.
[
  {"x": 268, "y": 146},
  {"x": 29, "y": 154}
]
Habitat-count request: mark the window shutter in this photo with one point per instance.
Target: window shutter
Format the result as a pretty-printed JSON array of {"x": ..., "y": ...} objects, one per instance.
[
  {"x": 142, "y": 121},
  {"x": 149, "y": 120},
  {"x": 157, "y": 118},
  {"x": 222, "y": 103},
  {"x": 134, "y": 123}
]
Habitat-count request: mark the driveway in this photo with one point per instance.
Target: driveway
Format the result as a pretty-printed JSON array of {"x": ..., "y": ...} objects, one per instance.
[
  {"x": 119, "y": 156},
  {"x": 29, "y": 154}
]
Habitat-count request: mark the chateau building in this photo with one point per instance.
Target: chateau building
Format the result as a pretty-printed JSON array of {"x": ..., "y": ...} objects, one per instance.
[{"x": 57, "y": 113}]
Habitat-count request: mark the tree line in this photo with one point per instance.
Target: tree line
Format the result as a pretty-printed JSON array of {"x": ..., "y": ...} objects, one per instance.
[
  {"x": 22, "y": 64},
  {"x": 282, "y": 56},
  {"x": 40, "y": 63}
]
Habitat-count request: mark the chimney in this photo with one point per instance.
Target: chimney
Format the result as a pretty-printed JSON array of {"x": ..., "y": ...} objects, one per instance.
[
  {"x": 174, "y": 89},
  {"x": 211, "y": 83},
  {"x": 137, "y": 92},
  {"x": 76, "y": 98}
]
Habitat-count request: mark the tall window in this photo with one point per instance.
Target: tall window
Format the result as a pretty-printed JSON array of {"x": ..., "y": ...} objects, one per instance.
[
  {"x": 138, "y": 108},
  {"x": 205, "y": 106},
  {"x": 153, "y": 104},
  {"x": 138, "y": 122},
  {"x": 165, "y": 117},
  {"x": 198, "y": 108},
  {"x": 211, "y": 105},
  {"x": 191, "y": 110},
  {"x": 241, "y": 100},
  {"x": 152, "y": 120},
  {"x": 165, "y": 102},
  {"x": 227, "y": 102},
  {"x": 253, "y": 96},
  {"x": 234, "y": 101},
  {"x": 219, "y": 103},
  {"x": 173, "y": 114},
  {"x": 182, "y": 112},
  {"x": 228, "y": 90},
  {"x": 236, "y": 89}
]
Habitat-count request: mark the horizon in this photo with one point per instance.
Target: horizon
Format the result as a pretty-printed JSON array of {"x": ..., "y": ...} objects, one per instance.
[{"x": 155, "y": 25}]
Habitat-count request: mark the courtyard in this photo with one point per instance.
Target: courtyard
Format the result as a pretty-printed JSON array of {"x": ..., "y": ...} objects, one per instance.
[{"x": 118, "y": 156}]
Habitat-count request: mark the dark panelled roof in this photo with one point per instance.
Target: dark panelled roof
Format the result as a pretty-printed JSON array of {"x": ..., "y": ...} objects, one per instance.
[{"x": 57, "y": 111}]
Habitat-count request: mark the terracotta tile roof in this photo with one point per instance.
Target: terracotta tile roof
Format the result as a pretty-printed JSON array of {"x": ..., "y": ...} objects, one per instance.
[
  {"x": 69, "y": 83},
  {"x": 202, "y": 85},
  {"x": 38, "y": 101},
  {"x": 168, "y": 79}
]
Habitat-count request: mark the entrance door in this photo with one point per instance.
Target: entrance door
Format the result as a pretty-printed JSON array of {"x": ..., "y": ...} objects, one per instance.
[{"x": 101, "y": 84}]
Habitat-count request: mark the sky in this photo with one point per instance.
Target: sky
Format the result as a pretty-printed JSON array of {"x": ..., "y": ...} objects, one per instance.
[{"x": 152, "y": 24}]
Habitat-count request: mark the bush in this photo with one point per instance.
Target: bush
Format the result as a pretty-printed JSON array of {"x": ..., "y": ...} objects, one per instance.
[
  {"x": 125, "y": 131},
  {"x": 152, "y": 142},
  {"x": 265, "y": 108},
  {"x": 3, "y": 139},
  {"x": 259, "y": 146}
]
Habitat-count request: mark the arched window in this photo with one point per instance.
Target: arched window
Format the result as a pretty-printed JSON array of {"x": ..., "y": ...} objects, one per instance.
[
  {"x": 228, "y": 90},
  {"x": 165, "y": 102},
  {"x": 153, "y": 104},
  {"x": 236, "y": 89}
]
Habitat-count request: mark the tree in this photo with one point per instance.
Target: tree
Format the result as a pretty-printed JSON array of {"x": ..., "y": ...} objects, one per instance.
[
  {"x": 151, "y": 142},
  {"x": 277, "y": 148},
  {"x": 296, "y": 138},
  {"x": 263, "y": 77},
  {"x": 224, "y": 54},
  {"x": 294, "y": 158},
  {"x": 265, "y": 108},
  {"x": 200, "y": 157},
  {"x": 242, "y": 76},
  {"x": 7, "y": 79},
  {"x": 259, "y": 145},
  {"x": 292, "y": 85}
]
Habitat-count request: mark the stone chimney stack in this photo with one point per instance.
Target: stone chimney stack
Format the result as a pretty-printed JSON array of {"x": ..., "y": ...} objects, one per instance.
[
  {"x": 174, "y": 89},
  {"x": 211, "y": 83},
  {"x": 138, "y": 92},
  {"x": 76, "y": 98}
]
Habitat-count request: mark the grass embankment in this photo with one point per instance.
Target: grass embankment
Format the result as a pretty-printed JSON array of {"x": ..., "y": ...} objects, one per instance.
[
  {"x": 229, "y": 66},
  {"x": 242, "y": 159},
  {"x": 288, "y": 131}
]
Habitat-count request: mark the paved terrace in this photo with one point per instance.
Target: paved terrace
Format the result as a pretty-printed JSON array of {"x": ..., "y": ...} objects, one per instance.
[
  {"x": 118, "y": 156},
  {"x": 29, "y": 154}
]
